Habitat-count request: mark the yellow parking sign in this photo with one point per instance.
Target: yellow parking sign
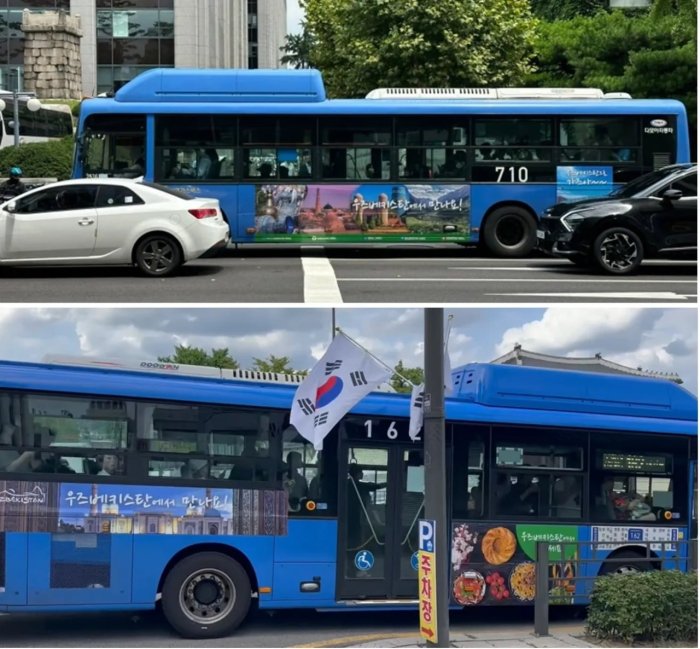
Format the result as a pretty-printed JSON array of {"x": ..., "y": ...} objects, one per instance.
[{"x": 426, "y": 580}]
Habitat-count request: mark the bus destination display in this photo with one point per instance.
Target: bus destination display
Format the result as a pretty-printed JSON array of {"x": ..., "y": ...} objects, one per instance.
[{"x": 636, "y": 463}]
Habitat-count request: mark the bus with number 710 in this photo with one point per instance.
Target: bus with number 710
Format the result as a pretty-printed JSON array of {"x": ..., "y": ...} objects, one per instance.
[{"x": 289, "y": 165}]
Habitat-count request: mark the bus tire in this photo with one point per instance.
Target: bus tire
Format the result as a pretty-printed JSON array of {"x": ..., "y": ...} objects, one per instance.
[
  {"x": 157, "y": 255},
  {"x": 206, "y": 595},
  {"x": 510, "y": 232},
  {"x": 618, "y": 251},
  {"x": 634, "y": 564}
]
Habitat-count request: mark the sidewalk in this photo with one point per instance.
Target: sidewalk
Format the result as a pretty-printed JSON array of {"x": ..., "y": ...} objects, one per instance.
[{"x": 488, "y": 639}]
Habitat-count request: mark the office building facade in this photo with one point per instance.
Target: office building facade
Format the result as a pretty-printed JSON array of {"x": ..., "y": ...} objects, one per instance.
[{"x": 122, "y": 38}]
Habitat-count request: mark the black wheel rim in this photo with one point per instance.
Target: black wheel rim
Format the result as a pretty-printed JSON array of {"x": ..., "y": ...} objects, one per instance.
[
  {"x": 207, "y": 595},
  {"x": 510, "y": 231},
  {"x": 619, "y": 251},
  {"x": 158, "y": 256}
]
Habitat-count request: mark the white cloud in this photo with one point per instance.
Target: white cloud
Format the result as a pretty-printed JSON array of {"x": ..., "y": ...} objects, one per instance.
[{"x": 659, "y": 339}]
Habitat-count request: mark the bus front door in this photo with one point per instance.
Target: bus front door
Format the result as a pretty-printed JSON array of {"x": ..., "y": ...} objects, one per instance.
[{"x": 381, "y": 499}]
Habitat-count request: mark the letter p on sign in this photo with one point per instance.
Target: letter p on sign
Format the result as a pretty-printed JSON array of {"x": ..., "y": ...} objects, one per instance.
[{"x": 426, "y": 536}]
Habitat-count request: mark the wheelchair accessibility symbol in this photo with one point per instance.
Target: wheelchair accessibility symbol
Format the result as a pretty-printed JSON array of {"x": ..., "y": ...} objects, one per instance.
[
  {"x": 364, "y": 560},
  {"x": 414, "y": 561}
]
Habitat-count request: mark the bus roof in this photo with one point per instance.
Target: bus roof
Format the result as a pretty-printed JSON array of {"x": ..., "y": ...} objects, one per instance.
[
  {"x": 503, "y": 394},
  {"x": 222, "y": 91}
]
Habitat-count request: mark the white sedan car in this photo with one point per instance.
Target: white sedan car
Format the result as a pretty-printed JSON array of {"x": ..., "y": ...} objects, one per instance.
[{"x": 110, "y": 221}]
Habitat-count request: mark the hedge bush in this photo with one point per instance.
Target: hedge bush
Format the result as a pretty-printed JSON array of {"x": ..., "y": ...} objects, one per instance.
[
  {"x": 651, "y": 606},
  {"x": 40, "y": 160}
]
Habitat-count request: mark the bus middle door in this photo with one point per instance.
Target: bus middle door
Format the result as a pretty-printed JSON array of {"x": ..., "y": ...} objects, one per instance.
[{"x": 381, "y": 498}]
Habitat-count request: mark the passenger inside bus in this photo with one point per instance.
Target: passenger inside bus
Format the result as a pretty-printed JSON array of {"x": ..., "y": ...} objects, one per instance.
[{"x": 294, "y": 481}]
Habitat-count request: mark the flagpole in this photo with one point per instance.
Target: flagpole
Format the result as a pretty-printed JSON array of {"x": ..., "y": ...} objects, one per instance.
[{"x": 379, "y": 360}]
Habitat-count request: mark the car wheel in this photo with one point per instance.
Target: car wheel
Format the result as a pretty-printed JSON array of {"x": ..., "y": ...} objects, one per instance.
[
  {"x": 157, "y": 255},
  {"x": 627, "y": 562},
  {"x": 206, "y": 595},
  {"x": 510, "y": 232},
  {"x": 618, "y": 251}
]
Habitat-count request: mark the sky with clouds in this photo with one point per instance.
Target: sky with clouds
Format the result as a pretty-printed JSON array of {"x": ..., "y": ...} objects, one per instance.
[{"x": 660, "y": 339}]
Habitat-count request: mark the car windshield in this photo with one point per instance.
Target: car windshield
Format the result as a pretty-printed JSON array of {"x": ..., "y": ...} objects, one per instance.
[
  {"x": 644, "y": 182},
  {"x": 167, "y": 190}
]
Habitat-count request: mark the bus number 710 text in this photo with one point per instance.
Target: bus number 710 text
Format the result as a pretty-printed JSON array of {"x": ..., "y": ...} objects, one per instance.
[{"x": 511, "y": 174}]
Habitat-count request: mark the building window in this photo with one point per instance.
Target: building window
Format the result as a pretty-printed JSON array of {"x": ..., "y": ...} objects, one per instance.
[{"x": 132, "y": 36}]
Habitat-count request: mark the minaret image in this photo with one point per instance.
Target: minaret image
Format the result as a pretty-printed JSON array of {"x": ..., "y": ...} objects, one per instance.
[
  {"x": 317, "y": 207},
  {"x": 93, "y": 500}
]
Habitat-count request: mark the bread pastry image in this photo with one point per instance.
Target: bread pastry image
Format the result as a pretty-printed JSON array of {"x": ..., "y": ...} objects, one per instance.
[{"x": 498, "y": 545}]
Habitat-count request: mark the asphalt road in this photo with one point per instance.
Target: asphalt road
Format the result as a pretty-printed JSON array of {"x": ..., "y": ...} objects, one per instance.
[
  {"x": 292, "y": 628},
  {"x": 445, "y": 274}
]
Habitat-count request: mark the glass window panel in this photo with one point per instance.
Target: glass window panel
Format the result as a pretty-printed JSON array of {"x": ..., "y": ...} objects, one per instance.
[
  {"x": 16, "y": 56},
  {"x": 260, "y": 163},
  {"x": 143, "y": 24},
  {"x": 104, "y": 24},
  {"x": 101, "y": 422},
  {"x": 143, "y": 51},
  {"x": 166, "y": 4},
  {"x": 356, "y": 130},
  {"x": 449, "y": 163},
  {"x": 258, "y": 130},
  {"x": 417, "y": 132},
  {"x": 166, "y": 23},
  {"x": 167, "y": 51},
  {"x": 522, "y": 131},
  {"x": 143, "y": 4},
  {"x": 14, "y": 24},
  {"x": 104, "y": 52}
]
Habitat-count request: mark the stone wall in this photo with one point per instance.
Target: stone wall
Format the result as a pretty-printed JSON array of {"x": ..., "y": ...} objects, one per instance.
[{"x": 52, "y": 54}]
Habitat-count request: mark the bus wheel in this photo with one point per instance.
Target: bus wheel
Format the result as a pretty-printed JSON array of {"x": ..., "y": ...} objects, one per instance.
[
  {"x": 157, "y": 255},
  {"x": 618, "y": 251},
  {"x": 510, "y": 232},
  {"x": 206, "y": 595},
  {"x": 629, "y": 563}
]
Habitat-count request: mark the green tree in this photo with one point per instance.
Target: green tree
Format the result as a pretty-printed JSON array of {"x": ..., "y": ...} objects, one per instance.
[
  {"x": 297, "y": 49},
  {"x": 413, "y": 374},
  {"x": 653, "y": 54},
  {"x": 567, "y": 9},
  {"x": 276, "y": 364},
  {"x": 363, "y": 44},
  {"x": 188, "y": 355}
]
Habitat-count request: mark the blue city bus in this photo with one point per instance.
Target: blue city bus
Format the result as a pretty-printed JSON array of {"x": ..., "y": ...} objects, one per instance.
[
  {"x": 413, "y": 165},
  {"x": 123, "y": 489}
]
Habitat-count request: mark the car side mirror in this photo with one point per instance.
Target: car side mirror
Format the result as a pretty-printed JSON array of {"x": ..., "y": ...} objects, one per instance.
[
  {"x": 672, "y": 194},
  {"x": 11, "y": 207}
]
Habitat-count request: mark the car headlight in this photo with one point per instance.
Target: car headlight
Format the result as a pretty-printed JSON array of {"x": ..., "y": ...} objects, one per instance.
[{"x": 572, "y": 219}]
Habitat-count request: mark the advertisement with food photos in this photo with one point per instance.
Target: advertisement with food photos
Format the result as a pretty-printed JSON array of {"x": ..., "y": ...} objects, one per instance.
[
  {"x": 495, "y": 564},
  {"x": 356, "y": 213}
]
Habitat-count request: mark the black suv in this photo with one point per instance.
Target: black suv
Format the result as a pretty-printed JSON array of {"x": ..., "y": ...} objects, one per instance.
[{"x": 652, "y": 216}]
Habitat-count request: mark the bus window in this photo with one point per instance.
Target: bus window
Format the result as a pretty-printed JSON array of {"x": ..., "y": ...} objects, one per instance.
[
  {"x": 512, "y": 139},
  {"x": 112, "y": 143},
  {"x": 602, "y": 139}
]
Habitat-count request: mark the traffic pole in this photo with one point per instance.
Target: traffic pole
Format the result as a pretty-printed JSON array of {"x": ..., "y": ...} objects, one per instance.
[{"x": 434, "y": 460}]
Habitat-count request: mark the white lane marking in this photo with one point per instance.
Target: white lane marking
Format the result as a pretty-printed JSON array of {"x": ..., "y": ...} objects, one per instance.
[
  {"x": 517, "y": 279},
  {"x": 320, "y": 284},
  {"x": 617, "y": 296}
]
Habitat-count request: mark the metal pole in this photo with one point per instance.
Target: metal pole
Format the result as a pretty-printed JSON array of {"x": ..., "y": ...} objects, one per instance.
[
  {"x": 435, "y": 474},
  {"x": 15, "y": 99},
  {"x": 332, "y": 322},
  {"x": 542, "y": 589}
]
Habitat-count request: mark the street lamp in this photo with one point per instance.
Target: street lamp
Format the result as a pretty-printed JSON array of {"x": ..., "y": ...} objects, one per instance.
[{"x": 33, "y": 104}]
